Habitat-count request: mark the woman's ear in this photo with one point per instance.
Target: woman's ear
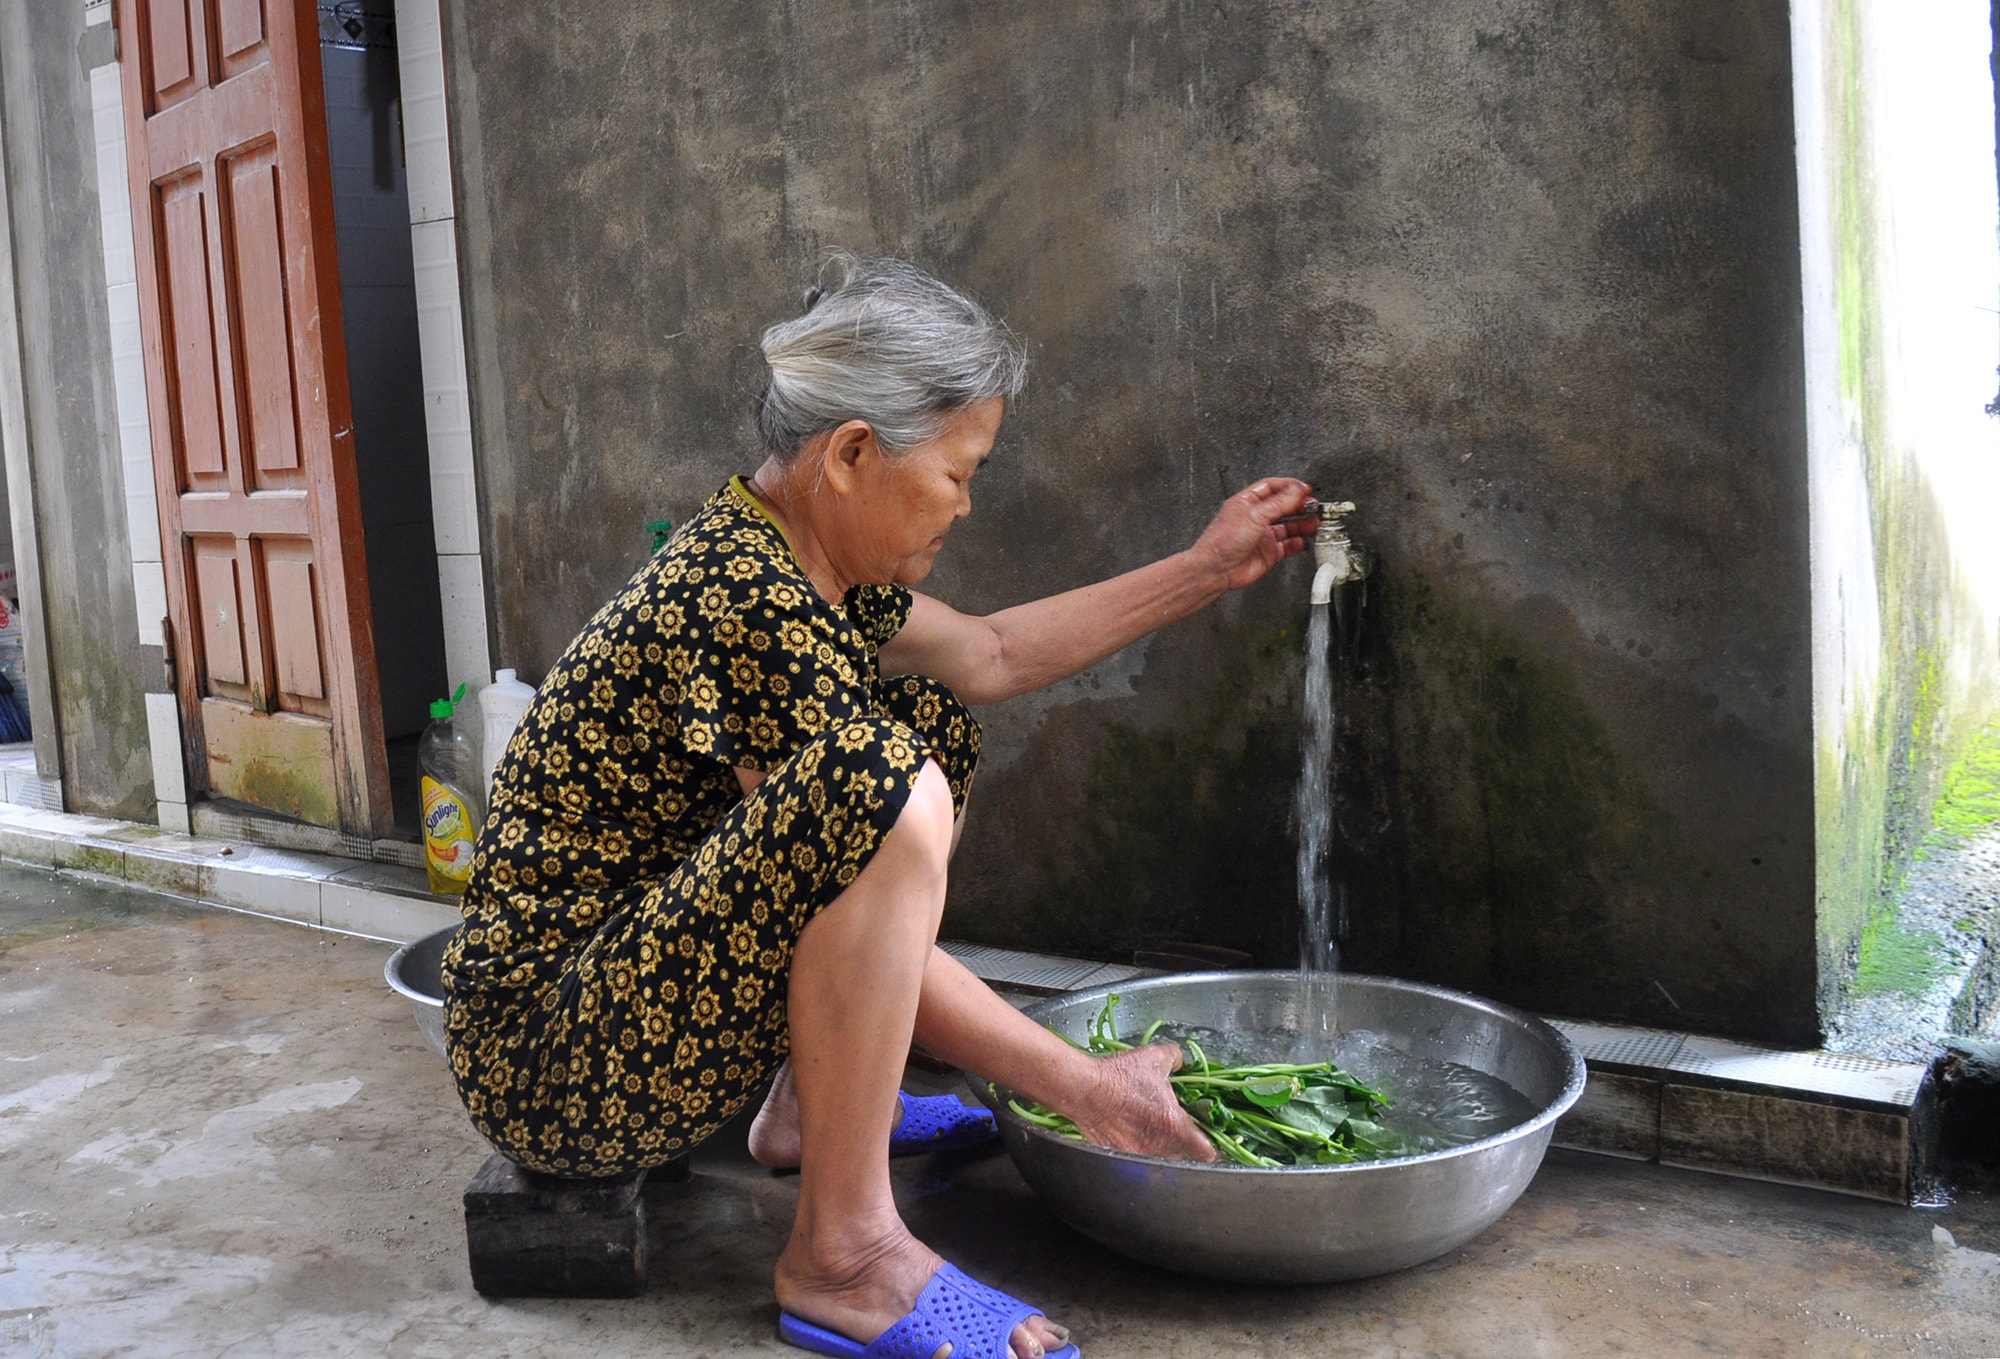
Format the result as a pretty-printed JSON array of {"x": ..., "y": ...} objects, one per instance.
[{"x": 847, "y": 448}]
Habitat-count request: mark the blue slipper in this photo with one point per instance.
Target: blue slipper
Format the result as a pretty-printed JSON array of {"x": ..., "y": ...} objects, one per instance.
[
  {"x": 954, "y": 1309},
  {"x": 932, "y": 1123},
  {"x": 940, "y": 1123}
]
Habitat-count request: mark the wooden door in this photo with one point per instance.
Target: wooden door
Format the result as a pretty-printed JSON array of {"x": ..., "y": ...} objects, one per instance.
[{"x": 246, "y": 378}]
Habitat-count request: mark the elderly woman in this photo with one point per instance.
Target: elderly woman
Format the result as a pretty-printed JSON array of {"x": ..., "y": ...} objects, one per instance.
[{"x": 722, "y": 832}]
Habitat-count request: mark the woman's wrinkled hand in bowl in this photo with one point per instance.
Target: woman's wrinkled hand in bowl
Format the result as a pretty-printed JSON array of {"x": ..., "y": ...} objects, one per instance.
[{"x": 1133, "y": 1108}]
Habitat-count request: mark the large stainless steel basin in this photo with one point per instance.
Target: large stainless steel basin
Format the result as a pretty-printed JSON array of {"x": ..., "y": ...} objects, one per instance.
[
  {"x": 1307, "y": 1224},
  {"x": 413, "y": 973}
]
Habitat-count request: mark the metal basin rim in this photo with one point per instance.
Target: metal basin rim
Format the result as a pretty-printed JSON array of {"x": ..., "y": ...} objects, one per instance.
[{"x": 1573, "y": 1078}]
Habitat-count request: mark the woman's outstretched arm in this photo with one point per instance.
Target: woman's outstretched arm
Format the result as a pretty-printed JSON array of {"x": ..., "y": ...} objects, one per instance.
[{"x": 1029, "y": 646}]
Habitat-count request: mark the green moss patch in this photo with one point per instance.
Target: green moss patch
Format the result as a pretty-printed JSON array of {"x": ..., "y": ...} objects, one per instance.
[
  {"x": 1896, "y": 961},
  {"x": 1970, "y": 799}
]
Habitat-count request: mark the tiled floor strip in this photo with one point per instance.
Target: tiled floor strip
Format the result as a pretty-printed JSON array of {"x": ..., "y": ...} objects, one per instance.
[
  {"x": 1823, "y": 1119},
  {"x": 378, "y": 901}
]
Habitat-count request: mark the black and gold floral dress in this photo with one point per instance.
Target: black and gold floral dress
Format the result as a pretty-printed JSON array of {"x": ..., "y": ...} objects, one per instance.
[{"x": 618, "y": 989}]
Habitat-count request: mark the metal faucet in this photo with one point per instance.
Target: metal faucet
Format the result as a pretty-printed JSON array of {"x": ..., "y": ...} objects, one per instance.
[{"x": 1340, "y": 561}]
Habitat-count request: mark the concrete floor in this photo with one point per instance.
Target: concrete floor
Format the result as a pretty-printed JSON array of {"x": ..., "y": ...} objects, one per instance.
[{"x": 222, "y": 1135}]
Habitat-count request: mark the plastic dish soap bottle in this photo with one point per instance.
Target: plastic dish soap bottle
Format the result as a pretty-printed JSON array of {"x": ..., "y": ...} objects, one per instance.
[
  {"x": 502, "y": 705},
  {"x": 452, "y": 806}
]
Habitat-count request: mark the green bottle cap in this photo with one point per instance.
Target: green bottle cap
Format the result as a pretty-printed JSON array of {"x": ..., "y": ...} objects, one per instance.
[
  {"x": 661, "y": 529},
  {"x": 441, "y": 710}
]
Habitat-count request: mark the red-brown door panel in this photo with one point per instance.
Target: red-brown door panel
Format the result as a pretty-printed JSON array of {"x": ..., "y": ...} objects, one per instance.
[
  {"x": 260, "y": 303},
  {"x": 239, "y": 35},
  {"x": 217, "y": 604},
  {"x": 239, "y": 304},
  {"x": 298, "y": 642},
  {"x": 194, "y": 436},
  {"x": 167, "y": 56}
]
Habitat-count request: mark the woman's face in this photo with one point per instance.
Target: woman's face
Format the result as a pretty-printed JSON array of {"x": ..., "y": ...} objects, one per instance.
[{"x": 897, "y": 510}]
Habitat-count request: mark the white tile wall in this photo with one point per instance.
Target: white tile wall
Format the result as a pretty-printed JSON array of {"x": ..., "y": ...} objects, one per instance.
[
  {"x": 149, "y": 595},
  {"x": 426, "y": 137},
  {"x": 466, "y": 655},
  {"x": 441, "y": 334},
  {"x": 122, "y": 302},
  {"x": 268, "y": 889},
  {"x": 163, "y": 734},
  {"x": 447, "y": 405},
  {"x": 455, "y": 509},
  {"x": 142, "y": 518},
  {"x": 135, "y": 435},
  {"x": 121, "y": 274},
  {"x": 108, "y": 132},
  {"x": 359, "y": 909}
]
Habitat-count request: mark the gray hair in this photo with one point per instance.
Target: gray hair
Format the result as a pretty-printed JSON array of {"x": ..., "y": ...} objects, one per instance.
[{"x": 882, "y": 341}]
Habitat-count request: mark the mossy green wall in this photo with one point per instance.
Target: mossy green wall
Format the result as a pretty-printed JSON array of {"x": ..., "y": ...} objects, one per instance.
[{"x": 1905, "y": 653}]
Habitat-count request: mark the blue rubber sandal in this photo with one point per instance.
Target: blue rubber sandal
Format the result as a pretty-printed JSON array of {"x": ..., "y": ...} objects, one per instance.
[
  {"x": 940, "y": 1123},
  {"x": 954, "y": 1309},
  {"x": 932, "y": 1123}
]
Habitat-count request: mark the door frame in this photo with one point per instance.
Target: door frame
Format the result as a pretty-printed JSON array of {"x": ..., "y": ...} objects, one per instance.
[
  {"x": 447, "y": 391},
  {"x": 279, "y": 105}
]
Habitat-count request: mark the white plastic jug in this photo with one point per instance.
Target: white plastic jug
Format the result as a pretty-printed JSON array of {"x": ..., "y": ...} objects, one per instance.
[{"x": 502, "y": 704}]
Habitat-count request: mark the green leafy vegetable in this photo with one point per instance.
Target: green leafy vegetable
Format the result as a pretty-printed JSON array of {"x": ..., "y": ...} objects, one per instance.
[{"x": 1276, "y": 1114}]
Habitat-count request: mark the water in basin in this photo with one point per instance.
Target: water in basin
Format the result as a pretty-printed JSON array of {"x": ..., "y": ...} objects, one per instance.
[{"x": 1433, "y": 1103}]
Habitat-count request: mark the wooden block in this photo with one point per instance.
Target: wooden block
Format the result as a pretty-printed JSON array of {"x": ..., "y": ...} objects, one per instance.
[
  {"x": 534, "y": 1236},
  {"x": 1618, "y": 1115},
  {"x": 1788, "y": 1141}
]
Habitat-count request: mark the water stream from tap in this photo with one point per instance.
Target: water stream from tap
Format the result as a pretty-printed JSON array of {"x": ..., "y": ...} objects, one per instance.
[{"x": 1312, "y": 808}]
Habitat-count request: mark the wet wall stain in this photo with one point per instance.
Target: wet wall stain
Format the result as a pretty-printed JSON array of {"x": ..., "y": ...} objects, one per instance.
[{"x": 1522, "y": 281}]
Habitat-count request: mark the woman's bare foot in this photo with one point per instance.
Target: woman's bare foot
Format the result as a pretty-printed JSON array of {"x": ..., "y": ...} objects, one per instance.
[
  {"x": 859, "y": 1288},
  {"x": 774, "y": 1133}
]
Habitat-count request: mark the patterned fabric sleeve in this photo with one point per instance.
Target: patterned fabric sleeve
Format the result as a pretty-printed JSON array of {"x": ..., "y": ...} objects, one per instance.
[
  {"x": 760, "y": 675},
  {"x": 878, "y": 612}
]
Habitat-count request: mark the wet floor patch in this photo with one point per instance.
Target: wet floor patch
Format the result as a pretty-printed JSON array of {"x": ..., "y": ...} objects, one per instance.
[
  {"x": 223, "y": 1134},
  {"x": 37, "y": 904}
]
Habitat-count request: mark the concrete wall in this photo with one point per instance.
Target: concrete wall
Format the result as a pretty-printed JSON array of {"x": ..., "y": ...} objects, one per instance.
[
  {"x": 99, "y": 669},
  {"x": 1521, "y": 278},
  {"x": 1896, "y": 154}
]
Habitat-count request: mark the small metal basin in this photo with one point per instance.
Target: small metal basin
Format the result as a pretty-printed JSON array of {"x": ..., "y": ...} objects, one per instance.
[
  {"x": 1307, "y": 1224},
  {"x": 413, "y": 973}
]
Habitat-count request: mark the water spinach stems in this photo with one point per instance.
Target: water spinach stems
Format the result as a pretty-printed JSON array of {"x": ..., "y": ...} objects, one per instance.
[{"x": 1276, "y": 1114}]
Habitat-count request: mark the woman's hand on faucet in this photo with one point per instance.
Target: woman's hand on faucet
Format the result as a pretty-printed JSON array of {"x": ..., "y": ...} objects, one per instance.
[
  {"x": 1249, "y": 536},
  {"x": 1028, "y": 646}
]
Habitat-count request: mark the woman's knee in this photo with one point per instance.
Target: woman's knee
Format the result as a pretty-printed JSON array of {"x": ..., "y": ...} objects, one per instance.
[
  {"x": 933, "y": 713},
  {"x": 926, "y": 821},
  {"x": 903, "y": 881}
]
